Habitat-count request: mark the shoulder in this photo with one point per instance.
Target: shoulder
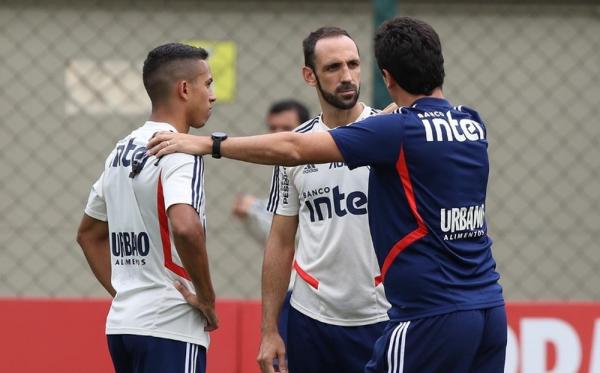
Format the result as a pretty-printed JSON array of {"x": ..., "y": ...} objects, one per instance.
[
  {"x": 402, "y": 115},
  {"x": 117, "y": 150},
  {"x": 308, "y": 125},
  {"x": 175, "y": 161},
  {"x": 467, "y": 110},
  {"x": 382, "y": 119},
  {"x": 181, "y": 158},
  {"x": 289, "y": 171},
  {"x": 371, "y": 110},
  {"x": 405, "y": 111}
]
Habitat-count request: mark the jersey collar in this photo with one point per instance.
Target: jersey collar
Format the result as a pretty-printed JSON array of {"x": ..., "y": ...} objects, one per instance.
[
  {"x": 160, "y": 126},
  {"x": 431, "y": 102},
  {"x": 363, "y": 115}
]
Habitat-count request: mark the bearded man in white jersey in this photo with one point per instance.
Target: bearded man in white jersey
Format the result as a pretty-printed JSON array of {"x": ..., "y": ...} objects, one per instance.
[
  {"x": 143, "y": 228},
  {"x": 338, "y": 311}
]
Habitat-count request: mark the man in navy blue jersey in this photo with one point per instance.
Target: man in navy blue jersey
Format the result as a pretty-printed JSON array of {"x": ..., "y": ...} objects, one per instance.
[{"x": 427, "y": 189}]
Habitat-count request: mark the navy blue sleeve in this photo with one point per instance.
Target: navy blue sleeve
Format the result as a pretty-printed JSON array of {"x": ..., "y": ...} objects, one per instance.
[{"x": 374, "y": 141}]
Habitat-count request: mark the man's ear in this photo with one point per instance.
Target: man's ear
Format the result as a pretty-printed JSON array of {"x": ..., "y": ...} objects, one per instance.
[
  {"x": 309, "y": 76},
  {"x": 183, "y": 89},
  {"x": 389, "y": 80}
]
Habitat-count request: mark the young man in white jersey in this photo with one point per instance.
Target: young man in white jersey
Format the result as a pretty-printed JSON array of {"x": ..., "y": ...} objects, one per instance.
[
  {"x": 337, "y": 310},
  {"x": 143, "y": 228}
]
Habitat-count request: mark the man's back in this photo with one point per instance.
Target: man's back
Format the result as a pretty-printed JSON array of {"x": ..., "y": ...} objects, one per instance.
[
  {"x": 137, "y": 191},
  {"x": 433, "y": 235}
]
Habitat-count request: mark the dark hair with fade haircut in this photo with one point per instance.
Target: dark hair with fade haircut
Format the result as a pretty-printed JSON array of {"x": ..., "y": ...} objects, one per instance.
[
  {"x": 410, "y": 50},
  {"x": 165, "y": 64},
  {"x": 308, "y": 44},
  {"x": 290, "y": 104}
]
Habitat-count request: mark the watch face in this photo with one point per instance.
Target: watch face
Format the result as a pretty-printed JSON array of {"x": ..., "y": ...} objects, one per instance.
[{"x": 219, "y": 135}]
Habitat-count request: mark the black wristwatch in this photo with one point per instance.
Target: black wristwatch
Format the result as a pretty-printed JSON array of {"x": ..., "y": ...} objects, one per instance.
[{"x": 217, "y": 138}]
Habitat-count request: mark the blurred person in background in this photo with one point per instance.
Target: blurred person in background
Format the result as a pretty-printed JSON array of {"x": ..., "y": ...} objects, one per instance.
[
  {"x": 428, "y": 180},
  {"x": 284, "y": 115},
  {"x": 143, "y": 228}
]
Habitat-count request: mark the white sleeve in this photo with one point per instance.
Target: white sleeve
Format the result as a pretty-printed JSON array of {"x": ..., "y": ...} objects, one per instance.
[
  {"x": 183, "y": 180},
  {"x": 96, "y": 205},
  {"x": 283, "y": 198}
]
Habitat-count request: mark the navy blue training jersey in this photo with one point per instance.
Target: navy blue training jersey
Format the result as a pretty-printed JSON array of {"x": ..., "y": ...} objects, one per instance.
[{"x": 427, "y": 188}]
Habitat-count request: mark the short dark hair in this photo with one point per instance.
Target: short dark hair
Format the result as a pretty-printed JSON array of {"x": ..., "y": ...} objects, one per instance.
[
  {"x": 290, "y": 104},
  {"x": 163, "y": 66},
  {"x": 410, "y": 50},
  {"x": 308, "y": 44}
]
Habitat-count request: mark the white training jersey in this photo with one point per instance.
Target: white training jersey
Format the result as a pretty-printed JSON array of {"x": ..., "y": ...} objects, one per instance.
[
  {"x": 335, "y": 261},
  {"x": 133, "y": 194}
]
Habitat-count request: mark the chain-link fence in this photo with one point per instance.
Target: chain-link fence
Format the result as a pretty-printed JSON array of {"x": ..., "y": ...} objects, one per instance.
[{"x": 70, "y": 86}]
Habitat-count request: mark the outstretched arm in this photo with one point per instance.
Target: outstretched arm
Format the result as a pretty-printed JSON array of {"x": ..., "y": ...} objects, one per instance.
[{"x": 285, "y": 148}]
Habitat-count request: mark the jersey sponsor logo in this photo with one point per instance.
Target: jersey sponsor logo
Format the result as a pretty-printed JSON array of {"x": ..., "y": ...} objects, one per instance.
[
  {"x": 130, "y": 248},
  {"x": 309, "y": 168},
  {"x": 316, "y": 192},
  {"x": 285, "y": 188},
  {"x": 442, "y": 127},
  {"x": 136, "y": 161},
  {"x": 333, "y": 165},
  {"x": 324, "y": 206},
  {"x": 462, "y": 222}
]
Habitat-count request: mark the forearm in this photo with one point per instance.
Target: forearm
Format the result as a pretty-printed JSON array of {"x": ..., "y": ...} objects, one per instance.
[
  {"x": 192, "y": 252},
  {"x": 285, "y": 148},
  {"x": 275, "y": 149},
  {"x": 97, "y": 254},
  {"x": 276, "y": 272},
  {"x": 92, "y": 236}
]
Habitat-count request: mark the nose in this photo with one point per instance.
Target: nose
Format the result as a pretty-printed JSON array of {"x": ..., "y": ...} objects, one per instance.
[{"x": 346, "y": 76}]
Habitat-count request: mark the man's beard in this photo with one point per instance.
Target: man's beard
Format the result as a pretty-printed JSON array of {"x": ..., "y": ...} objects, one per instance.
[{"x": 337, "y": 102}]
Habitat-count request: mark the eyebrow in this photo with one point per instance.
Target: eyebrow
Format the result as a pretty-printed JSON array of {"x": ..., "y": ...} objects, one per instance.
[
  {"x": 333, "y": 64},
  {"x": 337, "y": 63}
]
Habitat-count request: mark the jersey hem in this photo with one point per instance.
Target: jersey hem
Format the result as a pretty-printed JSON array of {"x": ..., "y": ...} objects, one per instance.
[
  {"x": 410, "y": 316},
  {"x": 160, "y": 334},
  {"x": 177, "y": 201},
  {"x": 96, "y": 215},
  {"x": 286, "y": 213},
  {"x": 339, "y": 322}
]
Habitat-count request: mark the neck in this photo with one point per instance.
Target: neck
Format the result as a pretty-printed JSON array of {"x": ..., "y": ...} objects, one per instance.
[
  {"x": 176, "y": 118},
  {"x": 334, "y": 117},
  {"x": 403, "y": 98}
]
